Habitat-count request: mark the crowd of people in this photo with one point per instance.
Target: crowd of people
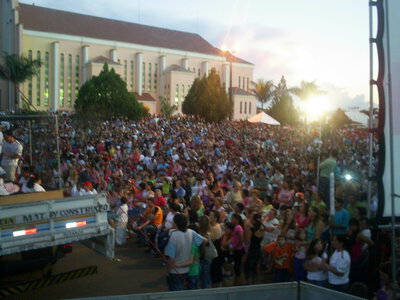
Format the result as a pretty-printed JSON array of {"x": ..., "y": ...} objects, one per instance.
[{"x": 226, "y": 200}]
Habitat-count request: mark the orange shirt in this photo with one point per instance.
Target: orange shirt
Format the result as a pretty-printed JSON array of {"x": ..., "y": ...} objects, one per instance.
[
  {"x": 277, "y": 252},
  {"x": 158, "y": 216}
]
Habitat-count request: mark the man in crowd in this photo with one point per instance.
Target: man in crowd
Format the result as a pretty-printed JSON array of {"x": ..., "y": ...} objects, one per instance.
[
  {"x": 152, "y": 219},
  {"x": 341, "y": 218},
  {"x": 11, "y": 152},
  {"x": 327, "y": 167},
  {"x": 178, "y": 251}
]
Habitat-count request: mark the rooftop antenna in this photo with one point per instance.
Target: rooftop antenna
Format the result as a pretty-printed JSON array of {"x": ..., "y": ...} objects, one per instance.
[
  {"x": 139, "y": 11},
  {"x": 197, "y": 23}
]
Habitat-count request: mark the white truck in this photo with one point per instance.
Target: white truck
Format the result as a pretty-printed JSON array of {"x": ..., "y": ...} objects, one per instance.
[{"x": 30, "y": 222}]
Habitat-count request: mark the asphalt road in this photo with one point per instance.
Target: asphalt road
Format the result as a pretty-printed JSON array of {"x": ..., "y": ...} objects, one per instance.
[{"x": 135, "y": 272}]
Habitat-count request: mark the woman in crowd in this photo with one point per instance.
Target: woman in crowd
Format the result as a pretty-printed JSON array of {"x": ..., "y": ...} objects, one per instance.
[
  {"x": 302, "y": 217},
  {"x": 237, "y": 245},
  {"x": 254, "y": 234},
  {"x": 215, "y": 235},
  {"x": 33, "y": 185},
  {"x": 315, "y": 263},
  {"x": 359, "y": 253},
  {"x": 204, "y": 231},
  {"x": 339, "y": 264},
  {"x": 284, "y": 198},
  {"x": 300, "y": 247},
  {"x": 197, "y": 205},
  {"x": 315, "y": 225},
  {"x": 288, "y": 226}
]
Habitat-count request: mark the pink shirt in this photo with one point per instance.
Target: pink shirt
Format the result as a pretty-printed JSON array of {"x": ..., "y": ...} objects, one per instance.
[
  {"x": 301, "y": 223},
  {"x": 236, "y": 241}
]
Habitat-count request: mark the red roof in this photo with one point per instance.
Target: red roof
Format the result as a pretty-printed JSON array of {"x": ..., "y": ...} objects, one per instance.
[
  {"x": 239, "y": 91},
  {"x": 102, "y": 60},
  {"x": 144, "y": 97},
  {"x": 50, "y": 20}
]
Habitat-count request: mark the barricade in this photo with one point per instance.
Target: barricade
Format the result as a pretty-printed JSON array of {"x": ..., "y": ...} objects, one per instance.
[{"x": 273, "y": 291}]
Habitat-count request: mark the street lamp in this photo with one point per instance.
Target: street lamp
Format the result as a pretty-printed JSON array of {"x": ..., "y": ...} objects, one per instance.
[{"x": 229, "y": 56}]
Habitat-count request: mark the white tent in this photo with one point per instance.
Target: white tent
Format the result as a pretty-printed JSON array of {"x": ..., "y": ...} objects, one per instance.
[{"x": 262, "y": 117}]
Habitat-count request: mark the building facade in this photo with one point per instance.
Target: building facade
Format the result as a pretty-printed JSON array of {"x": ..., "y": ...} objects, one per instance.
[{"x": 155, "y": 63}]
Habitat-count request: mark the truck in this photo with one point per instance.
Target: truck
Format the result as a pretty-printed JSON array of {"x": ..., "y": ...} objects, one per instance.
[{"x": 41, "y": 227}]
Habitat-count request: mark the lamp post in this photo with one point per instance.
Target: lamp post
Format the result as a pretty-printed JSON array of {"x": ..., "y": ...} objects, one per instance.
[
  {"x": 229, "y": 56},
  {"x": 230, "y": 87}
]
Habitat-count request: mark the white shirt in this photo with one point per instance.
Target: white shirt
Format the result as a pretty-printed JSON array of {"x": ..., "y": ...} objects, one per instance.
[
  {"x": 169, "y": 221},
  {"x": 341, "y": 261},
  {"x": 83, "y": 192},
  {"x": 318, "y": 275},
  {"x": 271, "y": 236},
  {"x": 36, "y": 188}
]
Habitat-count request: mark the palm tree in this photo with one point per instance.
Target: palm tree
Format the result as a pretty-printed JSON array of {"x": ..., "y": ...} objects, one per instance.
[
  {"x": 307, "y": 90},
  {"x": 375, "y": 112},
  {"x": 264, "y": 91},
  {"x": 18, "y": 69},
  {"x": 167, "y": 109}
]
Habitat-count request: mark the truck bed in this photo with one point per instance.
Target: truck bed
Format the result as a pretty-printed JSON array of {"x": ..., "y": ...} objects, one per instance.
[
  {"x": 46, "y": 219},
  {"x": 30, "y": 197}
]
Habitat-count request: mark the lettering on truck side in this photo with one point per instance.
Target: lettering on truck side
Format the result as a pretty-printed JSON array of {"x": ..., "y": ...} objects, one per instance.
[
  {"x": 8, "y": 221},
  {"x": 42, "y": 216}
]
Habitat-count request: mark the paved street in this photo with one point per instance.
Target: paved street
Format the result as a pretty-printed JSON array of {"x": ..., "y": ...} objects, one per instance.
[{"x": 137, "y": 272}]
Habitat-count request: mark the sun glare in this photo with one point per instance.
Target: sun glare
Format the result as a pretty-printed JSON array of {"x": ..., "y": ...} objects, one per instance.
[{"x": 316, "y": 107}]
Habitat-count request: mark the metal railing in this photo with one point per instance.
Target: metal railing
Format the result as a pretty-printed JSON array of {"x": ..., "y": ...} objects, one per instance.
[{"x": 273, "y": 291}]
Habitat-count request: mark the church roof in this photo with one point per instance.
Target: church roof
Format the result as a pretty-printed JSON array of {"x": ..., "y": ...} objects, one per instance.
[{"x": 56, "y": 21}]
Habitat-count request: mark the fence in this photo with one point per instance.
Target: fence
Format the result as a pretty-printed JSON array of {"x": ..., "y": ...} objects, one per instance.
[{"x": 287, "y": 291}]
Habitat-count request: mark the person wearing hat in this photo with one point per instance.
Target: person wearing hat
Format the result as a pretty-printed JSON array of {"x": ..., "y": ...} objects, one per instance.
[
  {"x": 11, "y": 152},
  {"x": 87, "y": 189}
]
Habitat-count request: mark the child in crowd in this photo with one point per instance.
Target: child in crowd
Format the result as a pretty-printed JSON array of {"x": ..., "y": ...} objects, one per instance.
[
  {"x": 280, "y": 255},
  {"x": 300, "y": 255}
]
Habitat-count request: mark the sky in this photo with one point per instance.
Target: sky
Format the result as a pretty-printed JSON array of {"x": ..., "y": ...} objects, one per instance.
[{"x": 321, "y": 40}]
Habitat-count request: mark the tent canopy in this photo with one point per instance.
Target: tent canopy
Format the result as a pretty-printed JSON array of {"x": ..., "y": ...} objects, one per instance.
[{"x": 262, "y": 117}]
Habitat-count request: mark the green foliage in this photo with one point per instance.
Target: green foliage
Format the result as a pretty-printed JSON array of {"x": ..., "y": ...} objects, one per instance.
[
  {"x": 207, "y": 99},
  {"x": 166, "y": 108},
  {"x": 375, "y": 112},
  {"x": 105, "y": 96},
  {"x": 282, "y": 108},
  {"x": 307, "y": 90},
  {"x": 31, "y": 112},
  {"x": 264, "y": 91},
  {"x": 339, "y": 119},
  {"x": 19, "y": 69}
]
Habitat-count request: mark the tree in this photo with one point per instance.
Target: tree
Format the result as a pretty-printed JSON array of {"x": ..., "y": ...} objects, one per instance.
[
  {"x": 282, "y": 108},
  {"x": 207, "y": 99},
  {"x": 264, "y": 91},
  {"x": 167, "y": 109},
  {"x": 307, "y": 90},
  {"x": 339, "y": 119},
  {"x": 18, "y": 69},
  {"x": 375, "y": 112},
  {"x": 105, "y": 96}
]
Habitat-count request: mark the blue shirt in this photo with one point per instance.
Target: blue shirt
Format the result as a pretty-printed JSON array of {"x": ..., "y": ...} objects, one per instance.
[
  {"x": 179, "y": 248},
  {"x": 341, "y": 218}
]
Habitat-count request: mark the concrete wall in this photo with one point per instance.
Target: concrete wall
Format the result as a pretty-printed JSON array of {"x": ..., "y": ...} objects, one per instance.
[{"x": 244, "y": 107}]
